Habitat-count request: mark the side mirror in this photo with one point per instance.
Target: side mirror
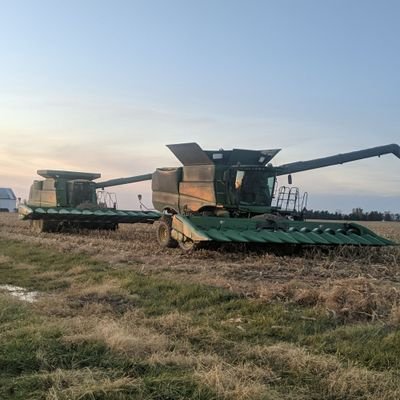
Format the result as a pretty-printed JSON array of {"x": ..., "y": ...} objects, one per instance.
[
  {"x": 139, "y": 197},
  {"x": 290, "y": 180}
]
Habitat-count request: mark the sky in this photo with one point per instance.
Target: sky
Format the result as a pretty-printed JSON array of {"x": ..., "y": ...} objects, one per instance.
[{"x": 103, "y": 86}]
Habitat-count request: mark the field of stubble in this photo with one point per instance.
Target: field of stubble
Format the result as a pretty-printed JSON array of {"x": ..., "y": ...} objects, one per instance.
[{"x": 116, "y": 317}]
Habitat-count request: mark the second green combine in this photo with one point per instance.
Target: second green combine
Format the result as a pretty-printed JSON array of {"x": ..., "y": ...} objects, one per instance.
[{"x": 69, "y": 199}]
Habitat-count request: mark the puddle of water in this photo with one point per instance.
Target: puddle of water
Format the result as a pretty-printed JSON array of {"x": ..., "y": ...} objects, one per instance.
[{"x": 20, "y": 292}]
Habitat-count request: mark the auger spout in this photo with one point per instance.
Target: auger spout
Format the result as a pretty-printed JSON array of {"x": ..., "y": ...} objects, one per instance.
[
  {"x": 300, "y": 166},
  {"x": 123, "y": 181}
]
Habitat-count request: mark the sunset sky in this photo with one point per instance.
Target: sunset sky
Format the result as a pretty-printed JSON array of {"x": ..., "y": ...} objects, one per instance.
[{"x": 102, "y": 86}]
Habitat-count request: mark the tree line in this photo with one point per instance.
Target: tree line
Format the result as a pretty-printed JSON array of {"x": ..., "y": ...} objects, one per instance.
[{"x": 357, "y": 214}]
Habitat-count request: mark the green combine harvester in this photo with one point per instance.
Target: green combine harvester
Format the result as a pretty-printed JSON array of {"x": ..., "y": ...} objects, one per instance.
[
  {"x": 232, "y": 196},
  {"x": 68, "y": 199},
  {"x": 224, "y": 196}
]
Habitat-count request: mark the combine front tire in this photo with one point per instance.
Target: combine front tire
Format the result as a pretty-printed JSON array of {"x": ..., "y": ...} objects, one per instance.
[
  {"x": 164, "y": 237},
  {"x": 40, "y": 225},
  {"x": 188, "y": 245}
]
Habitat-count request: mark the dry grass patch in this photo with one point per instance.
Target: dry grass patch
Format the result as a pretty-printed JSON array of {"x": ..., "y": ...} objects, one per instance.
[
  {"x": 240, "y": 382},
  {"x": 86, "y": 384},
  {"x": 394, "y": 317},
  {"x": 24, "y": 266},
  {"x": 137, "y": 342},
  {"x": 175, "y": 324},
  {"x": 348, "y": 299},
  {"x": 50, "y": 275},
  {"x": 361, "y": 298},
  {"x": 360, "y": 383},
  {"x": 77, "y": 270},
  {"x": 183, "y": 356},
  {"x": 126, "y": 335},
  {"x": 328, "y": 373},
  {"x": 5, "y": 259},
  {"x": 292, "y": 359},
  {"x": 103, "y": 288},
  {"x": 292, "y": 291},
  {"x": 53, "y": 306}
]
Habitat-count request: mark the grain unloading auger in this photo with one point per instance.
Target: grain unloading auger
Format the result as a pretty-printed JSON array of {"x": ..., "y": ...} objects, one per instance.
[
  {"x": 229, "y": 196},
  {"x": 71, "y": 199}
]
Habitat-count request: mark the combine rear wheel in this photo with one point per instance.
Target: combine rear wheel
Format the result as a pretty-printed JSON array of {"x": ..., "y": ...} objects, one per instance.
[{"x": 164, "y": 237}]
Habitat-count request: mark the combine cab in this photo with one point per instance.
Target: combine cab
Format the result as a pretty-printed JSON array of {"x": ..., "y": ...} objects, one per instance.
[
  {"x": 229, "y": 196},
  {"x": 66, "y": 199}
]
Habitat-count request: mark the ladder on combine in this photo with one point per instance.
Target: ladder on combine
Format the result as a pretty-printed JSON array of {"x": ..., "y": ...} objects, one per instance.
[
  {"x": 290, "y": 200},
  {"x": 106, "y": 199}
]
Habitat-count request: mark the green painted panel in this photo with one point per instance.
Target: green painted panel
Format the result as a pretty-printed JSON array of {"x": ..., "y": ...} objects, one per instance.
[
  {"x": 318, "y": 239},
  {"x": 331, "y": 238},
  {"x": 302, "y": 238},
  {"x": 346, "y": 239},
  {"x": 270, "y": 237},
  {"x": 375, "y": 240},
  {"x": 360, "y": 239},
  {"x": 286, "y": 237},
  {"x": 253, "y": 236},
  {"x": 217, "y": 235},
  {"x": 235, "y": 236}
]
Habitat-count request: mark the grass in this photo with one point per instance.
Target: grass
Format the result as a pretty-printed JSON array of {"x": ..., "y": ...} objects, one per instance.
[
  {"x": 115, "y": 329},
  {"x": 118, "y": 318}
]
